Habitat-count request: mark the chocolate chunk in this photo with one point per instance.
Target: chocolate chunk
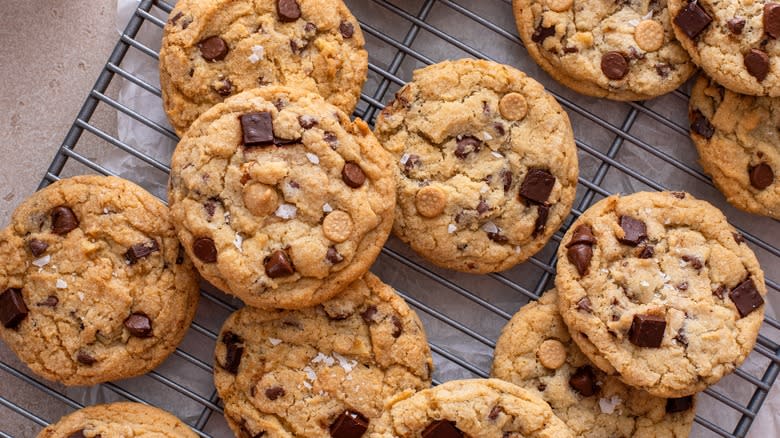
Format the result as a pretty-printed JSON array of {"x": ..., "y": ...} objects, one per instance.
[
  {"x": 506, "y": 178},
  {"x": 140, "y": 250},
  {"x": 278, "y": 264},
  {"x": 541, "y": 33},
  {"x": 634, "y": 230},
  {"x": 582, "y": 234},
  {"x": 85, "y": 358},
  {"x": 369, "y": 314},
  {"x": 63, "y": 220},
  {"x": 761, "y": 176},
  {"x": 542, "y": 212},
  {"x": 737, "y": 24},
  {"x": 204, "y": 249},
  {"x": 257, "y": 129},
  {"x": 497, "y": 237},
  {"x": 772, "y": 19},
  {"x": 738, "y": 237},
  {"x": 13, "y": 310},
  {"x": 225, "y": 88},
  {"x": 37, "y": 247},
  {"x": 288, "y": 10},
  {"x": 398, "y": 326},
  {"x": 537, "y": 185},
  {"x": 663, "y": 69},
  {"x": 647, "y": 252},
  {"x": 213, "y": 49},
  {"x": 614, "y": 65},
  {"x": 77, "y": 434},
  {"x": 233, "y": 352},
  {"x": 720, "y": 292},
  {"x": 695, "y": 262},
  {"x": 681, "y": 338},
  {"x": 50, "y": 301},
  {"x": 307, "y": 122},
  {"x": 139, "y": 325},
  {"x": 700, "y": 125},
  {"x": 353, "y": 175},
  {"x": 482, "y": 207},
  {"x": 274, "y": 392},
  {"x": 466, "y": 144},
  {"x": 285, "y": 141},
  {"x": 441, "y": 429},
  {"x": 584, "y": 305},
  {"x": 347, "y": 29},
  {"x": 757, "y": 63},
  {"x": 494, "y": 413},
  {"x": 746, "y": 297},
  {"x": 584, "y": 381},
  {"x": 580, "y": 255},
  {"x": 679, "y": 404},
  {"x": 333, "y": 256},
  {"x": 331, "y": 139},
  {"x": 692, "y": 20},
  {"x": 349, "y": 425},
  {"x": 647, "y": 331}
]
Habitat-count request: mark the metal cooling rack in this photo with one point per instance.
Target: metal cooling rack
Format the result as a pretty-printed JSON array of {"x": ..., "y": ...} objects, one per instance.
[{"x": 462, "y": 313}]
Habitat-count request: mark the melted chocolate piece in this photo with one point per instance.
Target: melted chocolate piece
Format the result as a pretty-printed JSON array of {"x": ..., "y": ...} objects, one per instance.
[{"x": 647, "y": 331}]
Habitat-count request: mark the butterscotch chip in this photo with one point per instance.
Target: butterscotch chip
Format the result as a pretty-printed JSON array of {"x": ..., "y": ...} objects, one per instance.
[
  {"x": 513, "y": 106},
  {"x": 551, "y": 354},
  {"x": 430, "y": 201},
  {"x": 337, "y": 226},
  {"x": 649, "y": 35},
  {"x": 559, "y": 5},
  {"x": 260, "y": 199}
]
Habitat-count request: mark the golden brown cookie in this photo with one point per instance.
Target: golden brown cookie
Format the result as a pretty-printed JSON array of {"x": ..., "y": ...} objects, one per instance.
[{"x": 116, "y": 420}]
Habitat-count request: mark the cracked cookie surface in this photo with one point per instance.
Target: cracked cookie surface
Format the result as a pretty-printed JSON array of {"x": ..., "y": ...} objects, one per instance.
[
  {"x": 738, "y": 144},
  {"x": 658, "y": 289},
  {"x": 122, "y": 419},
  {"x": 477, "y": 408},
  {"x": 279, "y": 198},
  {"x": 217, "y": 48},
  {"x": 486, "y": 165},
  {"x": 536, "y": 352},
  {"x": 95, "y": 285},
  {"x": 618, "y": 50},
  {"x": 323, "y": 370}
]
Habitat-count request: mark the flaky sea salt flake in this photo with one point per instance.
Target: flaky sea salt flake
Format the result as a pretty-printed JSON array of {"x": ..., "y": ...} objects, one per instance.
[
  {"x": 286, "y": 211},
  {"x": 41, "y": 262},
  {"x": 258, "y": 52},
  {"x": 313, "y": 159},
  {"x": 608, "y": 405},
  {"x": 61, "y": 284},
  {"x": 274, "y": 341}
]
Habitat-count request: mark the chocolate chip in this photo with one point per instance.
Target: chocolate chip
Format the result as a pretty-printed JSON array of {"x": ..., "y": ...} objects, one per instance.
[
  {"x": 678, "y": 195},
  {"x": 257, "y": 129},
  {"x": 737, "y": 24},
  {"x": 331, "y": 139},
  {"x": 746, "y": 297},
  {"x": 541, "y": 387},
  {"x": 482, "y": 207},
  {"x": 369, "y": 314},
  {"x": 139, "y": 325},
  {"x": 50, "y": 301},
  {"x": 506, "y": 178},
  {"x": 37, "y": 247},
  {"x": 494, "y": 413},
  {"x": 647, "y": 331},
  {"x": 772, "y": 19},
  {"x": 274, "y": 392},
  {"x": 213, "y": 49},
  {"x": 349, "y": 425},
  {"x": 497, "y": 237},
  {"x": 211, "y": 207},
  {"x": 692, "y": 20},
  {"x": 634, "y": 230},
  {"x": 700, "y": 125},
  {"x": 537, "y": 185},
  {"x": 570, "y": 50},
  {"x": 140, "y": 250},
  {"x": 584, "y": 305},
  {"x": 278, "y": 264},
  {"x": 761, "y": 176},
  {"x": 757, "y": 64},
  {"x": 180, "y": 255},
  {"x": 77, "y": 434},
  {"x": 225, "y": 88},
  {"x": 333, "y": 256},
  {"x": 307, "y": 122},
  {"x": 310, "y": 27},
  {"x": 695, "y": 262},
  {"x": 720, "y": 292},
  {"x": 288, "y": 10},
  {"x": 412, "y": 162},
  {"x": 542, "y": 212},
  {"x": 63, "y": 220},
  {"x": 499, "y": 127},
  {"x": 679, "y": 404},
  {"x": 663, "y": 69},
  {"x": 584, "y": 381},
  {"x": 542, "y": 33},
  {"x": 347, "y": 29},
  {"x": 681, "y": 338},
  {"x": 398, "y": 326},
  {"x": 614, "y": 65},
  {"x": 647, "y": 251},
  {"x": 738, "y": 237},
  {"x": 85, "y": 358},
  {"x": 465, "y": 145},
  {"x": 580, "y": 255},
  {"x": 13, "y": 310},
  {"x": 233, "y": 352},
  {"x": 682, "y": 286},
  {"x": 175, "y": 18},
  {"x": 285, "y": 141},
  {"x": 441, "y": 429},
  {"x": 204, "y": 249},
  {"x": 353, "y": 175},
  {"x": 582, "y": 234}
]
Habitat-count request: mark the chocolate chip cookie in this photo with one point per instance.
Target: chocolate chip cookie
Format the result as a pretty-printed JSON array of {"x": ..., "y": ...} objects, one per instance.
[
  {"x": 95, "y": 286},
  {"x": 486, "y": 165},
  {"x": 738, "y": 145},
  {"x": 475, "y": 408},
  {"x": 734, "y": 43},
  {"x": 536, "y": 352},
  {"x": 279, "y": 198},
  {"x": 217, "y": 48},
  {"x": 658, "y": 289},
  {"x": 618, "y": 50},
  {"x": 320, "y": 371},
  {"x": 122, "y": 419}
]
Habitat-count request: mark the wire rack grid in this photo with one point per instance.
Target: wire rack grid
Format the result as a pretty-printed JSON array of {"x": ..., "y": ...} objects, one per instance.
[{"x": 621, "y": 145}]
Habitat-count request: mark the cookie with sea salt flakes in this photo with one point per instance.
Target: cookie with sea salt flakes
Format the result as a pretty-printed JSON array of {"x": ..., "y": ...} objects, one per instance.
[
  {"x": 320, "y": 371},
  {"x": 617, "y": 50},
  {"x": 279, "y": 198},
  {"x": 658, "y": 289},
  {"x": 94, "y": 285},
  {"x": 536, "y": 352},
  {"x": 213, "y": 49},
  {"x": 486, "y": 164}
]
